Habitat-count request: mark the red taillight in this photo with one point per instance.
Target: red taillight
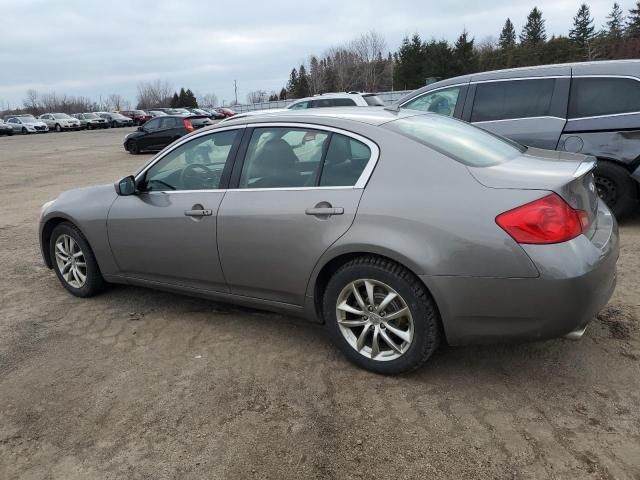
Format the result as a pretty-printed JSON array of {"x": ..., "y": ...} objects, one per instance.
[
  {"x": 547, "y": 220},
  {"x": 188, "y": 125}
]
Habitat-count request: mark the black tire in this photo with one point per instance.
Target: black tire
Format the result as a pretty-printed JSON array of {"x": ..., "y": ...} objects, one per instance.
[
  {"x": 94, "y": 282},
  {"x": 25, "y": 131},
  {"x": 58, "y": 128},
  {"x": 114, "y": 124},
  {"x": 132, "y": 147},
  {"x": 10, "y": 133},
  {"x": 616, "y": 188},
  {"x": 427, "y": 325}
]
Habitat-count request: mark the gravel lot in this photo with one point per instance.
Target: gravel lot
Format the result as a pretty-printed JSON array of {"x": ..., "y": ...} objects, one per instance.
[{"x": 140, "y": 384}]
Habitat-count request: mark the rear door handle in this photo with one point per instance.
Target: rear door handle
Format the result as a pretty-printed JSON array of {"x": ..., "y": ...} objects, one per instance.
[
  {"x": 203, "y": 212},
  {"x": 324, "y": 211}
]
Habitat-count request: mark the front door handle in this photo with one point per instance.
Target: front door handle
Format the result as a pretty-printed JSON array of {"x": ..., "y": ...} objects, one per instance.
[
  {"x": 325, "y": 211},
  {"x": 198, "y": 211}
]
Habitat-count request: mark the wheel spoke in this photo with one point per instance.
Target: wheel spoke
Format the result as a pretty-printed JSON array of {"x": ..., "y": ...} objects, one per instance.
[
  {"x": 78, "y": 254},
  {"x": 79, "y": 275},
  {"x": 387, "y": 300},
  {"x": 395, "y": 315},
  {"x": 353, "y": 323},
  {"x": 60, "y": 246},
  {"x": 81, "y": 264},
  {"x": 65, "y": 267},
  {"x": 363, "y": 336},
  {"x": 74, "y": 272},
  {"x": 375, "y": 346},
  {"x": 358, "y": 297},
  {"x": 62, "y": 257},
  {"x": 370, "y": 298},
  {"x": 388, "y": 341},
  {"x": 399, "y": 333},
  {"x": 345, "y": 307}
]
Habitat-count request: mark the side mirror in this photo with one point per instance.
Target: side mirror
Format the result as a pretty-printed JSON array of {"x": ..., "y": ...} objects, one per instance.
[
  {"x": 141, "y": 129},
  {"x": 126, "y": 186}
]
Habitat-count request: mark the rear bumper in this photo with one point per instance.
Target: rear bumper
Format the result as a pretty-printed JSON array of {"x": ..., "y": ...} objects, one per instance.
[{"x": 576, "y": 280}]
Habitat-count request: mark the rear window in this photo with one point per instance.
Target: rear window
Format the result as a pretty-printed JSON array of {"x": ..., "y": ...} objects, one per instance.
[
  {"x": 512, "y": 99},
  {"x": 373, "y": 101},
  {"x": 462, "y": 142},
  {"x": 591, "y": 96}
]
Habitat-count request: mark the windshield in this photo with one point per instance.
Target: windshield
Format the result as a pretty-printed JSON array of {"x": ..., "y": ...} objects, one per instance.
[
  {"x": 61, "y": 116},
  {"x": 90, "y": 116},
  {"x": 138, "y": 112},
  {"x": 28, "y": 119},
  {"x": 373, "y": 100},
  {"x": 119, "y": 116},
  {"x": 463, "y": 142}
]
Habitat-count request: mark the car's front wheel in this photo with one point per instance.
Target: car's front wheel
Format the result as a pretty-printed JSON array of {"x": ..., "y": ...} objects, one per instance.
[
  {"x": 132, "y": 147},
  {"x": 58, "y": 128},
  {"x": 25, "y": 131},
  {"x": 74, "y": 262},
  {"x": 381, "y": 315}
]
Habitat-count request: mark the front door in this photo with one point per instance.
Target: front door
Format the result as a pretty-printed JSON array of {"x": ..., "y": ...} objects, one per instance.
[
  {"x": 167, "y": 232},
  {"x": 297, "y": 193}
]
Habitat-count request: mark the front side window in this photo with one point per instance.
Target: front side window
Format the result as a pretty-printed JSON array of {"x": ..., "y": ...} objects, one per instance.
[
  {"x": 458, "y": 140},
  {"x": 299, "y": 106},
  {"x": 152, "y": 124},
  {"x": 591, "y": 96},
  {"x": 441, "y": 101},
  {"x": 283, "y": 157},
  {"x": 195, "y": 165},
  {"x": 512, "y": 99}
]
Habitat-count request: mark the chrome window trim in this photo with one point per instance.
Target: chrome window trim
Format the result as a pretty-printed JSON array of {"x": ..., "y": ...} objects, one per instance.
[
  {"x": 520, "y": 118},
  {"x": 459, "y": 85},
  {"x": 366, "y": 172},
  {"x": 542, "y": 77},
  {"x": 167, "y": 150}
]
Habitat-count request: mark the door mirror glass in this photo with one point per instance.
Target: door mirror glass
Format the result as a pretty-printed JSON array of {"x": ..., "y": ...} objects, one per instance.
[
  {"x": 126, "y": 186},
  {"x": 140, "y": 129}
]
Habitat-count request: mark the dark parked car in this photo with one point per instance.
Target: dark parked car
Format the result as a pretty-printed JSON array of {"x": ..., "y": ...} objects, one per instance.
[
  {"x": 116, "y": 119},
  {"x": 590, "y": 108},
  {"x": 211, "y": 114},
  {"x": 139, "y": 117},
  {"x": 159, "y": 132},
  {"x": 5, "y": 129},
  {"x": 156, "y": 113}
]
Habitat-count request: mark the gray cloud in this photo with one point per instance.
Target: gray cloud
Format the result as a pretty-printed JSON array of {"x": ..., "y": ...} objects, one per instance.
[{"x": 97, "y": 48}]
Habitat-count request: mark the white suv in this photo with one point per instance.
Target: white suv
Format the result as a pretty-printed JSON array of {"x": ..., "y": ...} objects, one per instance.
[
  {"x": 60, "y": 121},
  {"x": 350, "y": 99}
]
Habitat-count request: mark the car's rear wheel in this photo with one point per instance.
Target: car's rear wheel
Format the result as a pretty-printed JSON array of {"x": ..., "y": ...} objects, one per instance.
[
  {"x": 132, "y": 147},
  {"x": 10, "y": 132},
  {"x": 114, "y": 124},
  {"x": 58, "y": 128},
  {"x": 381, "y": 315},
  {"x": 616, "y": 188},
  {"x": 74, "y": 262}
]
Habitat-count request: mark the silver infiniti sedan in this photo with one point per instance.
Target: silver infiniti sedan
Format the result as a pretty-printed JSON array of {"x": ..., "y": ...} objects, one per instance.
[{"x": 399, "y": 230}]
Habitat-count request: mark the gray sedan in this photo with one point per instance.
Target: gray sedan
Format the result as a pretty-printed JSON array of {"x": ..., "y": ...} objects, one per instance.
[{"x": 398, "y": 230}]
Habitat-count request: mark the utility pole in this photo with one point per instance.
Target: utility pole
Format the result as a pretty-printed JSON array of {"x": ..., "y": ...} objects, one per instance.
[{"x": 235, "y": 91}]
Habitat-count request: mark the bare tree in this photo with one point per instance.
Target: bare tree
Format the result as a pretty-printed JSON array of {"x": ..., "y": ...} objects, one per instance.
[
  {"x": 115, "y": 101},
  {"x": 257, "y": 96},
  {"x": 367, "y": 51},
  {"x": 154, "y": 94},
  {"x": 207, "y": 100}
]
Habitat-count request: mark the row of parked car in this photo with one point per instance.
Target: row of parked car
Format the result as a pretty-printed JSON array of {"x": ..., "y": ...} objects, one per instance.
[{"x": 59, "y": 122}]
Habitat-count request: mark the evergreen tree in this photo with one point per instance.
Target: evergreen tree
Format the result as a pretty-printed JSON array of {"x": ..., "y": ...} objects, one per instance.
[
  {"x": 190, "y": 99},
  {"x": 464, "y": 56},
  {"x": 583, "y": 29},
  {"x": 633, "y": 22},
  {"x": 283, "y": 94},
  {"x": 181, "y": 98},
  {"x": 409, "y": 72},
  {"x": 534, "y": 32},
  {"x": 330, "y": 81},
  {"x": 615, "y": 23},
  {"x": 292, "y": 84},
  {"x": 174, "y": 101},
  {"x": 508, "y": 35},
  {"x": 304, "y": 90},
  {"x": 438, "y": 60}
]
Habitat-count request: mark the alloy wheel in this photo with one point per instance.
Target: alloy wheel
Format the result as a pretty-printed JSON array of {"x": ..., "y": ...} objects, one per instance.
[
  {"x": 71, "y": 261},
  {"x": 375, "y": 320}
]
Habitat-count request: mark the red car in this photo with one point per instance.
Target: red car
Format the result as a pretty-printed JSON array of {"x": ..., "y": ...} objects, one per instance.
[
  {"x": 138, "y": 116},
  {"x": 227, "y": 112}
]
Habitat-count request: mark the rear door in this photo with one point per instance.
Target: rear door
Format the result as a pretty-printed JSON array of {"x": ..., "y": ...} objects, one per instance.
[
  {"x": 530, "y": 111},
  {"x": 297, "y": 191}
]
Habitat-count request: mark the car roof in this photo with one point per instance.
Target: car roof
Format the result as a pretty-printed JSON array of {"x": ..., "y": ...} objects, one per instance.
[{"x": 371, "y": 116}]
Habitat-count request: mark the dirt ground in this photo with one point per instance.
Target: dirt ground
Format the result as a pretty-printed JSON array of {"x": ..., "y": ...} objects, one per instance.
[{"x": 137, "y": 384}]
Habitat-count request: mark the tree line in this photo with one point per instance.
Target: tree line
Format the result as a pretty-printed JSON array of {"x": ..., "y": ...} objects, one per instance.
[{"x": 365, "y": 65}]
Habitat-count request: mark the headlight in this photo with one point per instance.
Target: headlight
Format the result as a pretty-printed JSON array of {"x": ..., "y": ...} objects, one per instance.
[{"x": 45, "y": 206}]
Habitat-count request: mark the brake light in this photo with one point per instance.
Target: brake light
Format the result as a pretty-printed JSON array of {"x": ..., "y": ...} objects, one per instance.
[
  {"x": 188, "y": 125},
  {"x": 547, "y": 220}
]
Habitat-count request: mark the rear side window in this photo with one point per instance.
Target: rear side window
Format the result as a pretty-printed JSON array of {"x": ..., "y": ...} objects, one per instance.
[
  {"x": 591, "y": 96},
  {"x": 460, "y": 141},
  {"x": 373, "y": 101},
  {"x": 332, "y": 102},
  {"x": 441, "y": 101},
  {"x": 345, "y": 161},
  {"x": 512, "y": 99}
]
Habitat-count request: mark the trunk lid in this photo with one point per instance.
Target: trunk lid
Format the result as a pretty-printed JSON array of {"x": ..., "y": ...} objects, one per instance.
[{"x": 569, "y": 175}]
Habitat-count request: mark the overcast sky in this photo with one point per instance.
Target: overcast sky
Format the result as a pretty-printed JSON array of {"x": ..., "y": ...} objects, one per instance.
[{"x": 95, "y": 48}]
